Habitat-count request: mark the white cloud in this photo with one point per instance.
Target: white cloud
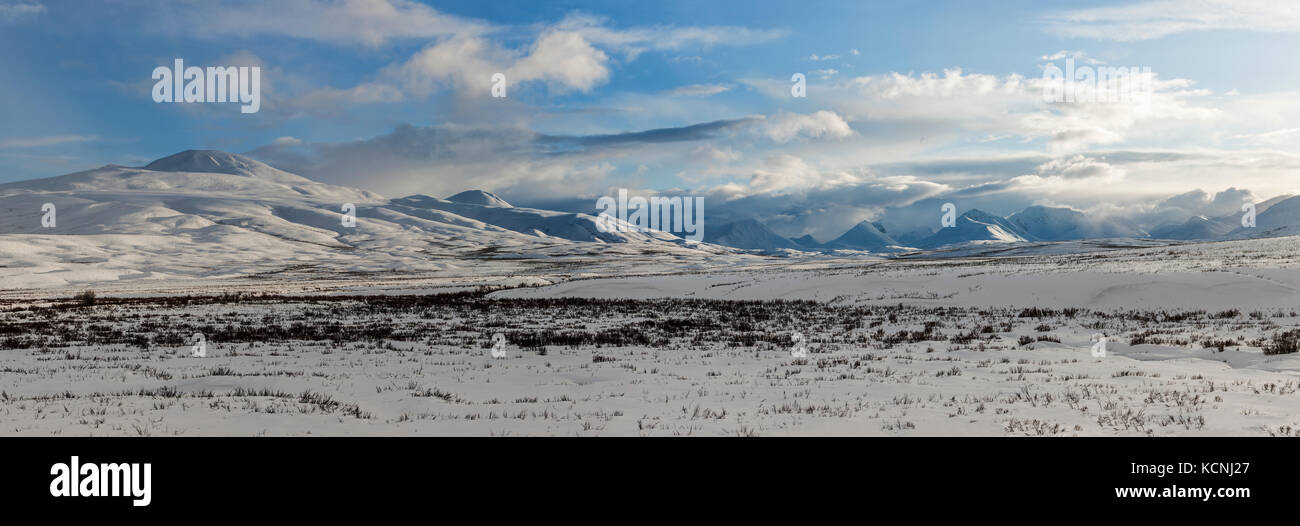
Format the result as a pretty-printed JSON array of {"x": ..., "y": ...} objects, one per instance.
[
  {"x": 562, "y": 58},
  {"x": 711, "y": 153},
  {"x": 785, "y": 127},
  {"x": 784, "y": 172},
  {"x": 637, "y": 40},
  {"x": 367, "y": 22},
  {"x": 957, "y": 106},
  {"x": 699, "y": 90},
  {"x": 1154, "y": 19},
  {"x": 14, "y": 13}
]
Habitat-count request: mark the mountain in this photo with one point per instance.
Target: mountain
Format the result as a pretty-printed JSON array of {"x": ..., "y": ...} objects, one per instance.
[
  {"x": 479, "y": 197},
  {"x": 1063, "y": 224},
  {"x": 749, "y": 234},
  {"x": 542, "y": 223},
  {"x": 1280, "y": 218},
  {"x": 976, "y": 226},
  {"x": 914, "y": 237},
  {"x": 1195, "y": 228},
  {"x": 864, "y": 236}
]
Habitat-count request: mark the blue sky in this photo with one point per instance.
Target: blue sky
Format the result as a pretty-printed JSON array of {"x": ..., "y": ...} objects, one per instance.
[{"x": 909, "y": 103}]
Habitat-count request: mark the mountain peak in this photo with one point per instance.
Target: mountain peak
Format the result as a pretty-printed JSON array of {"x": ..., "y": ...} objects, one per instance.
[
  {"x": 479, "y": 197},
  {"x": 210, "y": 161},
  {"x": 866, "y": 235}
]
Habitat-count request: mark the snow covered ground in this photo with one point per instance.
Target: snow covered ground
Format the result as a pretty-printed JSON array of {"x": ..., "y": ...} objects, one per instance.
[{"x": 957, "y": 346}]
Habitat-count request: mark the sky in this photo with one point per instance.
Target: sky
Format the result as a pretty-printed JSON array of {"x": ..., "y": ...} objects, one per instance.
[{"x": 908, "y": 104}]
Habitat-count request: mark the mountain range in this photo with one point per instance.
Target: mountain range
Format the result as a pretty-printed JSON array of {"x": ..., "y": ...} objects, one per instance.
[
  {"x": 206, "y": 213},
  {"x": 1276, "y": 217}
]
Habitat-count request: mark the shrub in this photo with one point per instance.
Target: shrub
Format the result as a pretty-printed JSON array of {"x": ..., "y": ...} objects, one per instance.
[
  {"x": 1284, "y": 343},
  {"x": 86, "y": 298}
]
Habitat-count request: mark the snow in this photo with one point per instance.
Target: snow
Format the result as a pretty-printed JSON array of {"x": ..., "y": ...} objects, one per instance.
[{"x": 988, "y": 334}]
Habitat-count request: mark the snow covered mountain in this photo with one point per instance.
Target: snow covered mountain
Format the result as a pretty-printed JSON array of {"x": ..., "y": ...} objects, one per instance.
[
  {"x": 865, "y": 235},
  {"x": 1063, "y": 224},
  {"x": 1195, "y": 228},
  {"x": 1279, "y": 219},
  {"x": 479, "y": 197},
  {"x": 976, "y": 226},
  {"x": 749, "y": 234}
]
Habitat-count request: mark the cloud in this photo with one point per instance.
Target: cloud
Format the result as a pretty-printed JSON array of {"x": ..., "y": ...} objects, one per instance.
[
  {"x": 783, "y": 172},
  {"x": 785, "y": 127},
  {"x": 634, "y": 41},
  {"x": 694, "y": 132},
  {"x": 563, "y": 61},
  {"x": 19, "y": 12},
  {"x": 708, "y": 153},
  {"x": 955, "y": 106},
  {"x": 37, "y": 142},
  {"x": 562, "y": 58},
  {"x": 1081, "y": 167},
  {"x": 365, "y": 22},
  {"x": 444, "y": 159},
  {"x": 1155, "y": 19},
  {"x": 699, "y": 90}
]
